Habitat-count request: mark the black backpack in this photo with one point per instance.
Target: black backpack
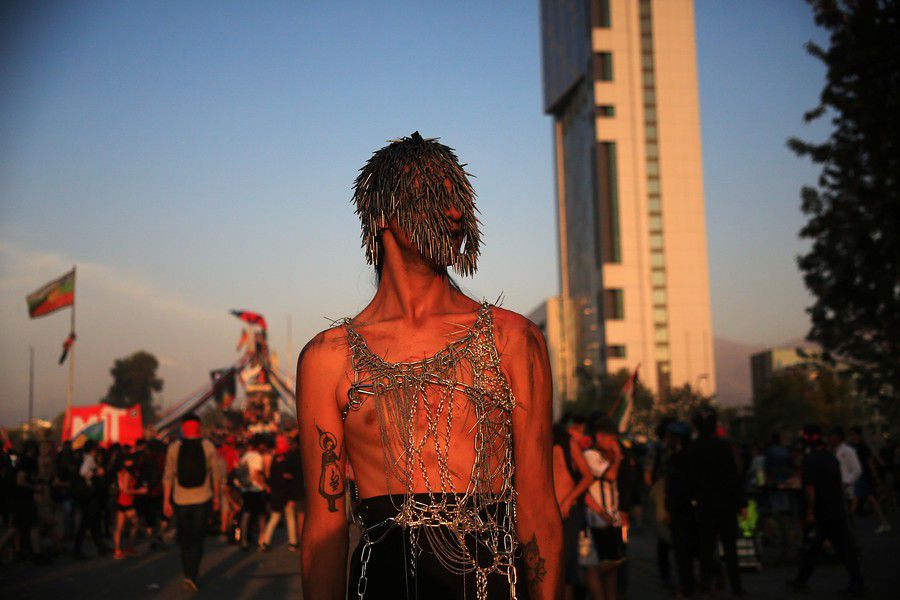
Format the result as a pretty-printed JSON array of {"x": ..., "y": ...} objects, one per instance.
[{"x": 191, "y": 464}]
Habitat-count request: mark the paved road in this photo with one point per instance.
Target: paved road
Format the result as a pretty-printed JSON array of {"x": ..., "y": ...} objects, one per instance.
[{"x": 229, "y": 573}]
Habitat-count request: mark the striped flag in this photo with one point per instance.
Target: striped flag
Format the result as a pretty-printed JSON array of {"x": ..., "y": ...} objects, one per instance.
[
  {"x": 53, "y": 296},
  {"x": 624, "y": 406}
]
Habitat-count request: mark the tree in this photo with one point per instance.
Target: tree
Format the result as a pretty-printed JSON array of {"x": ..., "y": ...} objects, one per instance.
[
  {"x": 134, "y": 381},
  {"x": 853, "y": 265},
  {"x": 679, "y": 402},
  {"x": 600, "y": 396},
  {"x": 804, "y": 394}
]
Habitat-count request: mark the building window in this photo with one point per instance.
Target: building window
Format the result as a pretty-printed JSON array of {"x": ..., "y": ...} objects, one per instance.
[
  {"x": 603, "y": 66},
  {"x": 660, "y": 315},
  {"x": 606, "y": 110},
  {"x": 657, "y": 278},
  {"x": 608, "y": 188},
  {"x": 659, "y": 297},
  {"x": 615, "y": 351},
  {"x": 613, "y": 304},
  {"x": 661, "y": 335},
  {"x": 655, "y": 223},
  {"x": 601, "y": 13},
  {"x": 657, "y": 260},
  {"x": 656, "y": 241}
]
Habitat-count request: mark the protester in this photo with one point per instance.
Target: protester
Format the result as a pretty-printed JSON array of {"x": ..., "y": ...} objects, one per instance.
[
  {"x": 718, "y": 493},
  {"x": 88, "y": 489},
  {"x": 190, "y": 482},
  {"x": 680, "y": 513},
  {"x": 865, "y": 487},
  {"x": 654, "y": 479},
  {"x": 252, "y": 480},
  {"x": 24, "y": 506},
  {"x": 280, "y": 476},
  {"x": 571, "y": 479},
  {"x": 126, "y": 514},
  {"x": 603, "y": 517},
  {"x": 846, "y": 456},
  {"x": 825, "y": 513}
]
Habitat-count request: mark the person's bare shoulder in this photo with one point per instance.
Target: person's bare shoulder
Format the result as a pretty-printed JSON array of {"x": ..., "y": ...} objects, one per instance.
[
  {"x": 517, "y": 337},
  {"x": 323, "y": 361}
]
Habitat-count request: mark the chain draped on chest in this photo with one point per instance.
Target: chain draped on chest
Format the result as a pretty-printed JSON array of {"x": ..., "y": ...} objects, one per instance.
[{"x": 415, "y": 409}]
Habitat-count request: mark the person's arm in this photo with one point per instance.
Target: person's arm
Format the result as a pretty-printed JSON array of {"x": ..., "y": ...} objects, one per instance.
[
  {"x": 810, "y": 503},
  {"x": 586, "y": 476},
  {"x": 325, "y": 532},
  {"x": 538, "y": 518},
  {"x": 614, "y": 456}
]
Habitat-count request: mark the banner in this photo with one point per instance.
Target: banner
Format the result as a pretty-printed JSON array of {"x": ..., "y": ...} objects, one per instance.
[
  {"x": 53, "y": 296},
  {"x": 104, "y": 423}
]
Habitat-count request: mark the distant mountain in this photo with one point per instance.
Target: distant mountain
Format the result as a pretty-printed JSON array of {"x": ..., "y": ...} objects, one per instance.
[{"x": 733, "y": 371}]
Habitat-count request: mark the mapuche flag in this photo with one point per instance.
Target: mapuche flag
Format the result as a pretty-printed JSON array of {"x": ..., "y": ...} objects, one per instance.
[{"x": 55, "y": 295}]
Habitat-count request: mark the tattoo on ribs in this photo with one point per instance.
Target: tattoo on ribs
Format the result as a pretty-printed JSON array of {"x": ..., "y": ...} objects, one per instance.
[
  {"x": 331, "y": 480},
  {"x": 535, "y": 570}
]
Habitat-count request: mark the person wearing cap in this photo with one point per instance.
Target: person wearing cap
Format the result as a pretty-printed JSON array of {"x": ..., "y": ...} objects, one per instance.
[
  {"x": 825, "y": 513},
  {"x": 190, "y": 485}
]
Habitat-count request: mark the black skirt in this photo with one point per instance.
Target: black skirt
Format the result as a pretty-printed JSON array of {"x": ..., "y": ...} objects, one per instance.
[{"x": 391, "y": 572}]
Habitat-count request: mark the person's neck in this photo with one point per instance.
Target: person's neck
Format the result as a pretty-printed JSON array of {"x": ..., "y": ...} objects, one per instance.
[{"x": 411, "y": 288}]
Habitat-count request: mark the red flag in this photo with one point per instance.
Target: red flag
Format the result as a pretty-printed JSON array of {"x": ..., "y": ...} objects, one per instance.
[
  {"x": 66, "y": 346},
  {"x": 250, "y": 317},
  {"x": 243, "y": 340}
]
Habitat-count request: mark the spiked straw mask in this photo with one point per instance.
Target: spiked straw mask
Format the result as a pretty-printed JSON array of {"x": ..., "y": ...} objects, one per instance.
[{"x": 417, "y": 182}]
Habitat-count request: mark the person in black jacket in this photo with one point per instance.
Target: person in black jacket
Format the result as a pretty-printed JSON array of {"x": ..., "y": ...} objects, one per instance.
[
  {"x": 826, "y": 513},
  {"x": 718, "y": 497},
  {"x": 680, "y": 514}
]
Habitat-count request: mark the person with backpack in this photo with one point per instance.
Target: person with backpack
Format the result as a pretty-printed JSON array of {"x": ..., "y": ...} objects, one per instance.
[{"x": 190, "y": 486}]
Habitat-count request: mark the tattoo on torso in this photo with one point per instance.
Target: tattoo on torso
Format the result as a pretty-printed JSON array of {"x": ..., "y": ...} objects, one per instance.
[
  {"x": 535, "y": 569},
  {"x": 331, "y": 480}
]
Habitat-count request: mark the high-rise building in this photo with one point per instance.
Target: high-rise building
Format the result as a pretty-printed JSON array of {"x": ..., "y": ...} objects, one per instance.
[{"x": 620, "y": 81}]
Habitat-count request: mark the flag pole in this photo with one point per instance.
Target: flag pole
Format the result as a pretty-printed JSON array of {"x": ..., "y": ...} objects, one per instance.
[
  {"x": 30, "y": 384},
  {"x": 71, "y": 390}
]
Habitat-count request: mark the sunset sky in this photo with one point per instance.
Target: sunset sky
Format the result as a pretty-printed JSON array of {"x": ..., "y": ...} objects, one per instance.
[{"x": 194, "y": 158}]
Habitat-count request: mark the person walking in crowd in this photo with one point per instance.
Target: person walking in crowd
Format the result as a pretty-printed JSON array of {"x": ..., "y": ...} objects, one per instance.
[
  {"x": 282, "y": 471},
  {"x": 679, "y": 506},
  {"x": 24, "y": 507},
  {"x": 825, "y": 513},
  {"x": 603, "y": 518},
  {"x": 571, "y": 479},
  {"x": 864, "y": 490},
  {"x": 718, "y": 493},
  {"x": 126, "y": 514},
  {"x": 655, "y": 482},
  {"x": 190, "y": 485},
  {"x": 846, "y": 456},
  {"x": 88, "y": 489},
  {"x": 252, "y": 480}
]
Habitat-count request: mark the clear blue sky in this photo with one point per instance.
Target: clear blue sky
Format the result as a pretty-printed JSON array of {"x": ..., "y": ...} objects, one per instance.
[{"x": 197, "y": 157}]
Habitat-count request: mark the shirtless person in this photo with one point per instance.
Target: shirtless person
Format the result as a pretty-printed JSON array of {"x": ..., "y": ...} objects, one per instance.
[{"x": 441, "y": 405}]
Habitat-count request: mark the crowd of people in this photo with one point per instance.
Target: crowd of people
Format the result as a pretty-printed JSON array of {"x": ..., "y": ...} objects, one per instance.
[
  {"x": 696, "y": 486},
  {"x": 693, "y": 481},
  {"x": 240, "y": 486}
]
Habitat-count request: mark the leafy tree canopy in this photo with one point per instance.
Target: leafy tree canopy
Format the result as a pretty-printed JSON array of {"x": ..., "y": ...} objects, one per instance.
[
  {"x": 134, "y": 381},
  {"x": 853, "y": 265}
]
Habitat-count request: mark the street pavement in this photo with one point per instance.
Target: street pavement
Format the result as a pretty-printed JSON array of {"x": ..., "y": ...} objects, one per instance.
[{"x": 228, "y": 573}]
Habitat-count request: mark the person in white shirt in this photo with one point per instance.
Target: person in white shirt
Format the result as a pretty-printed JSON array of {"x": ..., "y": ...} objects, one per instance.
[
  {"x": 253, "y": 489},
  {"x": 851, "y": 469},
  {"x": 603, "y": 517}
]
